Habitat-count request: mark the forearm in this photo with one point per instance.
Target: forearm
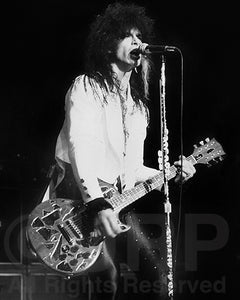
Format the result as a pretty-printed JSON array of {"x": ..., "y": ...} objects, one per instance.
[{"x": 143, "y": 173}]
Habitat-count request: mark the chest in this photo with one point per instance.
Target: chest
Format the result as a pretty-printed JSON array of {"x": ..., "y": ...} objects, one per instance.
[{"x": 124, "y": 118}]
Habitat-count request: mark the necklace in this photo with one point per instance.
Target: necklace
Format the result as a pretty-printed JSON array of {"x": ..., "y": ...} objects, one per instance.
[{"x": 123, "y": 100}]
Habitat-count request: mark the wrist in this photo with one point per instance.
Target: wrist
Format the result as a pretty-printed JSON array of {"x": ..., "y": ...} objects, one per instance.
[{"x": 96, "y": 205}]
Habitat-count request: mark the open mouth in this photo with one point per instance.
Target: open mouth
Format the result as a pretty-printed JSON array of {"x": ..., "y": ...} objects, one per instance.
[{"x": 135, "y": 53}]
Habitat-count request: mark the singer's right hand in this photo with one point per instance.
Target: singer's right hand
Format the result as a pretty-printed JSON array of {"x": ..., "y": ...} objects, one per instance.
[{"x": 107, "y": 223}]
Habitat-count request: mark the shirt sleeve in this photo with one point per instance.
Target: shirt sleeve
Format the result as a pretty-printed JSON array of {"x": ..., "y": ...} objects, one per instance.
[
  {"x": 142, "y": 172},
  {"x": 83, "y": 115}
]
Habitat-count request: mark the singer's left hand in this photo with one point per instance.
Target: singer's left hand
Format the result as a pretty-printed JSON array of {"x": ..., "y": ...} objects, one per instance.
[{"x": 188, "y": 170}]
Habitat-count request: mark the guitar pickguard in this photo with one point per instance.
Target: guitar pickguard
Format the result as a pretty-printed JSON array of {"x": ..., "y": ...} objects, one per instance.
[{"x": 62, "y": 237}]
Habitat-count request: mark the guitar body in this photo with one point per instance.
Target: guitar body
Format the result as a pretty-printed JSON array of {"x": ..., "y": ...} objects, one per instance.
[{"x": 61, "y": 234}]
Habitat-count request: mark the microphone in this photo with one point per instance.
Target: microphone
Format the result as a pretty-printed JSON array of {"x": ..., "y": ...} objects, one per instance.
[{"x": 148, "y": 49}]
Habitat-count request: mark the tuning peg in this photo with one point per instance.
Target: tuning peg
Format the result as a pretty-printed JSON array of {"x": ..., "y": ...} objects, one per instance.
[
  {"x": 201, "y": 143},
  {"x": 207, "y": 140},
  {"x": 195, "y": 146}
]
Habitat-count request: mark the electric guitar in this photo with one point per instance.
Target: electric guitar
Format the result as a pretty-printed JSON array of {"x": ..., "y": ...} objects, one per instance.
[{"x": 61, "y": 235}]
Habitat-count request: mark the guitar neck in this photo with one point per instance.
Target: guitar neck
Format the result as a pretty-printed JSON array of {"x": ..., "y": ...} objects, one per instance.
[{"x": 130, "y": 196}]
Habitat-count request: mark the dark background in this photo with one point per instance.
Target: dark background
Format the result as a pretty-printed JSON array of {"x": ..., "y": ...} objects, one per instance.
[{"x": 42, "y": 52}]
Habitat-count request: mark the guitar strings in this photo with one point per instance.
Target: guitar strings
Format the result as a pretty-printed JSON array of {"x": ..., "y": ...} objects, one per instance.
[{"x": 118, "y": 202}]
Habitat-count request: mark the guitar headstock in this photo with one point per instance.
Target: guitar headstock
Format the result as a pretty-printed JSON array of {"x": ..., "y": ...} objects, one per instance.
[{"x": 209, "y": 150}]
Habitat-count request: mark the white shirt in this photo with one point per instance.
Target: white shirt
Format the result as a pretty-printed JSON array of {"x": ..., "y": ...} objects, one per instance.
[{"x": 92, "y": 138}]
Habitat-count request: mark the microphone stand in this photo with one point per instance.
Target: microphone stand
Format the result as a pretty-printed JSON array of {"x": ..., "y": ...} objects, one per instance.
[{"x": 166, "y": 165}]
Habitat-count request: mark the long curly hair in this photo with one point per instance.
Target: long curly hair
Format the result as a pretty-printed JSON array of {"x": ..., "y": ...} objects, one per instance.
[{"x": 105, "y": 33}]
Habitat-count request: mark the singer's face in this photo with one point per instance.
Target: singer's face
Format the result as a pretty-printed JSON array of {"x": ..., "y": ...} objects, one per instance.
[{"x": 125, "y": 60}]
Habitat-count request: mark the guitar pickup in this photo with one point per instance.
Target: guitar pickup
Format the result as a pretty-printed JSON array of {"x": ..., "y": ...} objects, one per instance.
[{"x": 65, "y": 234}]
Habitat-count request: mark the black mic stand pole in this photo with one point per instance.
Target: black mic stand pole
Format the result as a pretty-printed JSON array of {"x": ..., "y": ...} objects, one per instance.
[{"x": 166, "y": 165}]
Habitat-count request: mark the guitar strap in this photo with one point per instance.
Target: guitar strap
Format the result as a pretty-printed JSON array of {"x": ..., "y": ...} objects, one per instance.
[
  {"x": 45, "y": 194},
  {"x": 56, "y": 175}
]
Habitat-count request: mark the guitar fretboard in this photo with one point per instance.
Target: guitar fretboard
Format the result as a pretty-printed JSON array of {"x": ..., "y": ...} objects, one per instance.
[{"x": 128, "y": 197}]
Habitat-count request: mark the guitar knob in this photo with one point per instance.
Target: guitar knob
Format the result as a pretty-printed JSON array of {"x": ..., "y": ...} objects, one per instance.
[{"x": 65, "y": 248}]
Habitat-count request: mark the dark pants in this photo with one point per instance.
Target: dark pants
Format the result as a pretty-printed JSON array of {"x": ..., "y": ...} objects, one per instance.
[{"x": 137, "y": 250}]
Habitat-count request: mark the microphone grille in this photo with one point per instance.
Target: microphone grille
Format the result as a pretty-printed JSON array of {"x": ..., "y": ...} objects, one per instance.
[{"x": 142, "y": 48}]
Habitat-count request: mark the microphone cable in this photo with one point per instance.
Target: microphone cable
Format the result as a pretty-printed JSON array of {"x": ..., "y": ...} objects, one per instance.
[{"x": 181, "y": 153}]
